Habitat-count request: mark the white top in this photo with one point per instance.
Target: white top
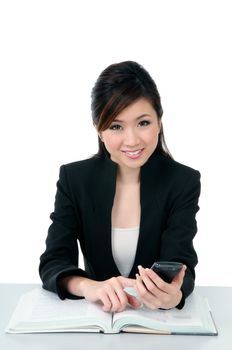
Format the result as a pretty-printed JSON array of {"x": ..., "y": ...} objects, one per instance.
[{"x": 124, "y": 245}]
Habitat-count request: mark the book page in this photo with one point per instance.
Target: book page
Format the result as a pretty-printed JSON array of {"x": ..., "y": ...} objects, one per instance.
[
  {"x": 188, "y": 315},
  {"x": 194, "y": 317},
  {"x": 40, "y": 309}
]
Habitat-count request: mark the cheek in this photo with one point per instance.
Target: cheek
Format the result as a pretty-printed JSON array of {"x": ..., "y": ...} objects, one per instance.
[
  {"x": 112, "y": 143},
  {"x": 152, "y": 137}
]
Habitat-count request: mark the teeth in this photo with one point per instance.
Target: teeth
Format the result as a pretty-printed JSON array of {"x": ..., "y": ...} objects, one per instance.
[{"x": 134, "y": 153}]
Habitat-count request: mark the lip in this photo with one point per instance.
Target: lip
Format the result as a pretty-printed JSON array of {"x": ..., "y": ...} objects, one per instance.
[{"x": 135, "y": 154}]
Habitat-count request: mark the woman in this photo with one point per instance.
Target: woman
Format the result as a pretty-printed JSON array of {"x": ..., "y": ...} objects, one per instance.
[{"x": 128, "y": 206}]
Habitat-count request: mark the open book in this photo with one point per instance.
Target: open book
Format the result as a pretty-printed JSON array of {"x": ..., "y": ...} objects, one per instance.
[{"x": 40, "y": 311}]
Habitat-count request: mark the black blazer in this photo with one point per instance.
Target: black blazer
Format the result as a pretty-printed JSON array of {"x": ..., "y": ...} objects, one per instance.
[{"x": 169, "y": 193}]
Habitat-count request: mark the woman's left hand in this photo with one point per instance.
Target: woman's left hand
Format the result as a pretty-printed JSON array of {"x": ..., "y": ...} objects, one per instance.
[{"x": 155, "y": 293}]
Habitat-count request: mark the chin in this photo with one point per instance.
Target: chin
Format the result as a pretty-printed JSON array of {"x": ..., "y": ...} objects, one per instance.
[{"x": 134, "y": 165}]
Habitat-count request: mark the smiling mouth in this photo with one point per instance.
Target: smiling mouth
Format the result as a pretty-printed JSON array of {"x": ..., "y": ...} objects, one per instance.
[{"x": 134, "y": 154}]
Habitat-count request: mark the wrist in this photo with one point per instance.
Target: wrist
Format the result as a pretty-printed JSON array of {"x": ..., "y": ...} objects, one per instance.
[
  {"x": 83, "y": 285},
  {"x": 75, "y": 285}
]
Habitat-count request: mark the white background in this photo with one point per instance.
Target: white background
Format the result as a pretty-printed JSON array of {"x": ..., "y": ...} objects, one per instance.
[{"x": 51, "y": 54}]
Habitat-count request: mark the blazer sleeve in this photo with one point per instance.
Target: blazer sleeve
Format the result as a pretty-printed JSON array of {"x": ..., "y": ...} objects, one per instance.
[
  {"x": 60, "y": 258},
  {"x": 177, "y": 238}
]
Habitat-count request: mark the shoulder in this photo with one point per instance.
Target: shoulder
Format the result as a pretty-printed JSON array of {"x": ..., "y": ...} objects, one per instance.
[
  {"x": 82, "y": 165},
  {"x": 89, "y": 172},
  {"x": 82, "y": 168},
  {"x": 88, "y": 175},
  {"x": 167, "y": 174},
  {"x": 179, "y": 178},
  {"x": 177, "y": 169}
]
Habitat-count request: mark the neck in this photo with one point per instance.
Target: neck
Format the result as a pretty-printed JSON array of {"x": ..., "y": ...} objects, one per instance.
[{"x": 128, "y": 175}]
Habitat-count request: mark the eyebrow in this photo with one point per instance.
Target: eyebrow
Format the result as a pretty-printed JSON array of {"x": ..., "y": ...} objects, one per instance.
[{"x": 140, "y": 117}]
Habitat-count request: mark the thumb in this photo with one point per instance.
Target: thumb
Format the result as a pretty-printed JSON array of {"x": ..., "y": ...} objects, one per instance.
[
  {"x": 133, "y": 301},
  {"x": 180, "y": 276}
]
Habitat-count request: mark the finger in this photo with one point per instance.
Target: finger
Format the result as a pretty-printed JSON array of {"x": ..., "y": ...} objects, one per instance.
[
  {"x": 127, "y": 283},
  {"x": 106, "y": 302},
  {"x": 148, "y": 281},
  {"x": 117, "y": 295},
  {"x": 143, "y": 292},
  {"x": 110, "y": 300},
  {"x": 133, "y": 301},
  {"x": 156, "y": 284},
  {"x": 123, "y": 299},
  {"x": 159, "y": 282},
  {"x": 115, "y": 302},
  {"x": 166, "y": 292},
  {"x": 140, "y": 287},
  {"x": 148, "y": 299}
]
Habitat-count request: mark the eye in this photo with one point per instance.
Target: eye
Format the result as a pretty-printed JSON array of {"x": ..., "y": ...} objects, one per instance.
[
  {"x": 115, "y": 127},
  {"x": 144, "y": 123}
]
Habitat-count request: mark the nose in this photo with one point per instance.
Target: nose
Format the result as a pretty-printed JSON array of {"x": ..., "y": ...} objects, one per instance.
[{"x": 131, "y": 138}]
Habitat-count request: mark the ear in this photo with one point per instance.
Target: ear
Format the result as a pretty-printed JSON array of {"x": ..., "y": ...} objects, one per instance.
[
  {"x": 159, "y": 125},
  {"x": 100, "y": 136},
  {"x": 99, "y": 133}
]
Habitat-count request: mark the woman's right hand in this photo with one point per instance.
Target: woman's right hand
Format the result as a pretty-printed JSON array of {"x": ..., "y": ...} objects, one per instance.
[{"x": 109, "y": 292}]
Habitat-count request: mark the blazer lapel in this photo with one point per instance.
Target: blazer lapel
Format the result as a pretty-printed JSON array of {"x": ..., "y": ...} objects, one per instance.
[
  {"x": 149, "y": 201},
  {"x": 102, "y": 207}
]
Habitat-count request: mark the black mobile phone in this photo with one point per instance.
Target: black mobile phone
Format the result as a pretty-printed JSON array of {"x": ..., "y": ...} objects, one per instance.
[{"x": 167, "y": 270}]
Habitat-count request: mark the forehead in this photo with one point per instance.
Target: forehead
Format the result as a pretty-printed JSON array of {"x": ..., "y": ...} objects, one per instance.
[{"x": 137, "y": 109}]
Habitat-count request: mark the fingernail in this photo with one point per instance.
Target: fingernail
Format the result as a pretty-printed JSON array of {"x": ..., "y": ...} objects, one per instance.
[{"x": 139, "y": 267}]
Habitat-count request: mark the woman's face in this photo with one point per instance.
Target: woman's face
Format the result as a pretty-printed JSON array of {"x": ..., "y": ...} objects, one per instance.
[{"x": 133, "y": 135}]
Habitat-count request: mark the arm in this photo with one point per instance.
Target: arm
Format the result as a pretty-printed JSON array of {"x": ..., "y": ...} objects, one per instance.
[
  {"x": 176, "y": 245},
  {"x": 110, "y": 293},
  {"x": 177, "y": 239},
  {"x": 60, "y": 258}
]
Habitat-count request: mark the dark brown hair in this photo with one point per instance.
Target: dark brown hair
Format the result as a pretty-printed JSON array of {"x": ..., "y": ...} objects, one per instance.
[{"x": 118, "y": 86}]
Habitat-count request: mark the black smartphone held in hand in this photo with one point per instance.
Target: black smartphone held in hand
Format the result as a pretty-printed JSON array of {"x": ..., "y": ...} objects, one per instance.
[{"x": 167, "y": 270}]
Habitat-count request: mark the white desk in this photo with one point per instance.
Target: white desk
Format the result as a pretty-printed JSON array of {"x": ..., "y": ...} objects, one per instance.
[{"x": 220, "y": 299}]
